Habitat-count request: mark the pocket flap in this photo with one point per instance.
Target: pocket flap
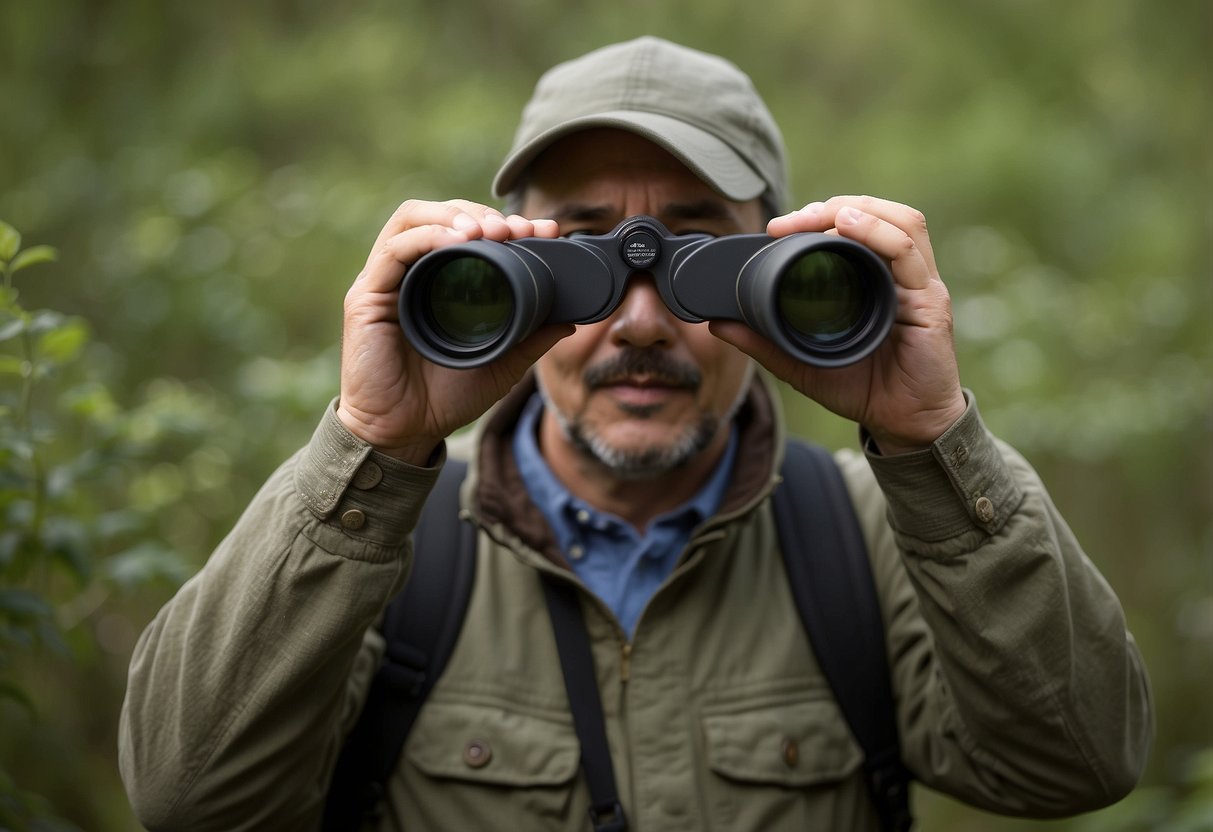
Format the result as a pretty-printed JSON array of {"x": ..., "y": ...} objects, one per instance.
[
  {"x": 790, "y": 744},
  {"x": 492, "y": 745}
]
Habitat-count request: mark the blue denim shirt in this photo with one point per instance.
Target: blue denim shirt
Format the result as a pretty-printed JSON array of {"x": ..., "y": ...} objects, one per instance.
[{"x": 618, "y": 564}]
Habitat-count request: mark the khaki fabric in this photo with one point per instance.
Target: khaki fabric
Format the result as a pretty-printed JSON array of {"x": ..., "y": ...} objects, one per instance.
[{"x": 1018, "y": 688}]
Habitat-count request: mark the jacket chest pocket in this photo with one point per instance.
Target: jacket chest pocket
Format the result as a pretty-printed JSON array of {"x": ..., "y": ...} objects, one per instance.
[
  {"x": 785, "y": 765},
  {"x": 474, "y": 766}
]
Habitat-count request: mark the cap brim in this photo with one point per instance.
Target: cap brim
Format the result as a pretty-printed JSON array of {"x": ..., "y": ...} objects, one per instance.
[{"x": 706, "y": 156}]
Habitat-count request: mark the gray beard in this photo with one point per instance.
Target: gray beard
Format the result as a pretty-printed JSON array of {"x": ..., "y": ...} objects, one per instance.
[
  {"x": 640, "y": 463},
  {"x": 643, "y": 463}
]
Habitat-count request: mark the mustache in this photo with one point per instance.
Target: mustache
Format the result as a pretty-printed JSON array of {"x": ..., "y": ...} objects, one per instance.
[{"x": 653, "y": 365}]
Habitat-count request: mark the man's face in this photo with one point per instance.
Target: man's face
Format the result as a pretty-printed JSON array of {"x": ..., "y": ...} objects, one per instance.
[{"x": 642, "y": 392}]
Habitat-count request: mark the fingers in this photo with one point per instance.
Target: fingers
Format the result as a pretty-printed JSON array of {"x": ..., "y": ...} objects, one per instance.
[
  {"x": 515, "y": 362},
  {"x": 894, "y": 231},
  {"x": 909, "y": 263},
  {"x": 418, "y": 227},
  {"x": 522, "y": 227}
]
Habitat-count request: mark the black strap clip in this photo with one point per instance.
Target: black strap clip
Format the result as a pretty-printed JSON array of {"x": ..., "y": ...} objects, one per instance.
[
  {"x": 608, "y": 818},
  {"x": 889, "y": 785},
  {"x": 404, "y": 669}
]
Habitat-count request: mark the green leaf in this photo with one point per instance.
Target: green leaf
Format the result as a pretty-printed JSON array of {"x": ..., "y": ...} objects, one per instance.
[
  {"x": 10, "y": 691},
  {"x": 67, "y": 540},
  {"x": 10, "y": 241},
  {"x": 44, "y": 320},
  {"x": 20, "y": 448},
  {"x": 65, "y": 342},
  {"x": 93, "y": 401},
  {"x": 118, "y": 523},
  {"x": 15, "y": 638},
  {"x": 33, "y": 256},
  {"x": 12, "y": 328},
  {"x": 146, "y": 562},
  {"x": 22, "y": 605},
  {"x": 14, "y": 365},
  {"x": 46, "y": 630},
  {"x": 10, "y": 541}
]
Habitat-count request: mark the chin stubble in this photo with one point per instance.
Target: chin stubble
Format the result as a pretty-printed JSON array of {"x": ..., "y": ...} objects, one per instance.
[{"x": 654, "y": 460}]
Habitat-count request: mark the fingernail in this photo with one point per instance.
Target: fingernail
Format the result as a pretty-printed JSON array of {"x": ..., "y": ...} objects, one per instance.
[
  {"x": 463, "y": 222},
  {"x": 848, "y": 216}
]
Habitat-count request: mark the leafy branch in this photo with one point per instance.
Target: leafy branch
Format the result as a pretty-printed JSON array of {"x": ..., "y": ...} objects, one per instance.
[
  {"x": 62, "y": 439},
  {"x": 33, "y": 342}
]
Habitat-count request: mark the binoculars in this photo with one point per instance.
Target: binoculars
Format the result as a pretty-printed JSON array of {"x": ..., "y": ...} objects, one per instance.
[{"x": 824, "y": 299}]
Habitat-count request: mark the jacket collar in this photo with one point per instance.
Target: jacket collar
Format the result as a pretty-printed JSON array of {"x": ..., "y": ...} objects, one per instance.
[{"x": 500, "y": 498}]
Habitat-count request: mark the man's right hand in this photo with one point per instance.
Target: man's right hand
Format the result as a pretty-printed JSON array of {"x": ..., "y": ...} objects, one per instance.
[{"x": 391, "y": 397}]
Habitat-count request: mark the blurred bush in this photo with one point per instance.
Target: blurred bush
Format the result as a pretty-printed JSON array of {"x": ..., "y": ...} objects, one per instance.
[
  {"x": 69, "y": 544},
  {"x": 213, "y": 175}
]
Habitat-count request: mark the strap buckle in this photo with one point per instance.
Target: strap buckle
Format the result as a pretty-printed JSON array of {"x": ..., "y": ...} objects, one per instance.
[
  {"x": 404, "y": 669},
  {"x": 608, "y": 818},
  {"x": 889, "y": 782}
]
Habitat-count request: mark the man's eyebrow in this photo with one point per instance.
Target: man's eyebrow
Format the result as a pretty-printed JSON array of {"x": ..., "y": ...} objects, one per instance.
[
  {"x": 582, "y": 212},
  {"x": 701, "y": 209}
]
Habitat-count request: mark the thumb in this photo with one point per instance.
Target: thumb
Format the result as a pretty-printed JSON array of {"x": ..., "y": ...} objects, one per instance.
[
  {"x": 516, "y": 362},
  {"x": 760, "y": 348}
]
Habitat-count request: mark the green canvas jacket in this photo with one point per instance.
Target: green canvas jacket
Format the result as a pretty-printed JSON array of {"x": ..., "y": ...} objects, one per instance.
[{"x": 1018, "y": 687}]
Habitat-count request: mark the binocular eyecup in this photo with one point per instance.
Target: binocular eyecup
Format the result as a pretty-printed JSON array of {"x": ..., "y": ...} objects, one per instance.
[{"x": 827, "y": 300}]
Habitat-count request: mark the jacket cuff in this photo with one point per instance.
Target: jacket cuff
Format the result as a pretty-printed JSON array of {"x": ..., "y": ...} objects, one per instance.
[
  {"x": 352, "y": 487},
  {"x": 959, "y": 485}
]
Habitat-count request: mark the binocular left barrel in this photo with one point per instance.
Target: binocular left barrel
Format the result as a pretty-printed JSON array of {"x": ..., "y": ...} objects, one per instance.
[
  {"x": 466, "y": 305},
  {"x": 824, "y": 299}
]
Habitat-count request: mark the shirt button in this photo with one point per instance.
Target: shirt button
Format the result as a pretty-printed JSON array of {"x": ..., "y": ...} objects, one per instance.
[
  {"x": 353, "y": 520},
  {"x": 576, "y": 552},
  {"x": 368, "y": 476},
  {"x": 583, "y": 516},
  {"x": 984, "y": 508},
  {"x": 477, "y": 754}
]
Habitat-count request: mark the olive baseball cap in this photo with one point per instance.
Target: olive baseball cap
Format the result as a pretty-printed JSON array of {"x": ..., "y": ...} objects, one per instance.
[{"x": 699, "y": 107}]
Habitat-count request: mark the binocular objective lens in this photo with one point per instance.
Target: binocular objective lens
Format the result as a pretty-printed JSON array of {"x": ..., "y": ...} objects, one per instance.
[
  {"x": 469, "y": 301},
  {"x": 821, "y": 297}
]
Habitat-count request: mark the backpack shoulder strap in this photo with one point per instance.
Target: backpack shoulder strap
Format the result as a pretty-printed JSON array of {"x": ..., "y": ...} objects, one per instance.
[
  {"x": 585, "y": 703},
  {"x": 835, "y": 593},
  {"x": 420, "y": 627}
]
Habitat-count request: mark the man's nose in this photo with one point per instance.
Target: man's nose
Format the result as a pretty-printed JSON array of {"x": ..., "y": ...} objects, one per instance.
[{"x": 642, "y": 319}]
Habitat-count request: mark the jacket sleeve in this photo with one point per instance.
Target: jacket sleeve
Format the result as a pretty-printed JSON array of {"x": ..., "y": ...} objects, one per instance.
[
  {"x": 242, "y": 687},
  {"x": 1019, "y": 688}
]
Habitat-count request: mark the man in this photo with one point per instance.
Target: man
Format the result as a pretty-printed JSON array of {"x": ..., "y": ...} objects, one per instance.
[{"x": 636, "y": 460}]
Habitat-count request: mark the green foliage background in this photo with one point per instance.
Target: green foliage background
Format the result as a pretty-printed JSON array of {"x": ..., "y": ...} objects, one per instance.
[{"x": 213, "y": 174}]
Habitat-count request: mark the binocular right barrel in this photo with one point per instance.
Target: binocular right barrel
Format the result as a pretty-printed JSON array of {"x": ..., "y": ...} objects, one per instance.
[{"x": 826, "y": 300}]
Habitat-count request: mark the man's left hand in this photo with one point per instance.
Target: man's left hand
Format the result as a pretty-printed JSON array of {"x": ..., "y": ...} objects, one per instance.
[{"x": 907, "y": 393}]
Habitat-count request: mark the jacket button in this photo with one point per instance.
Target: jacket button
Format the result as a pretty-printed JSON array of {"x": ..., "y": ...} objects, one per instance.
[
  {"x": 368, "y": 476},
  {"x": 791, "y": 752},
  {"x": 353, "y": 520},
  {"x": 984, "y": 508},
  {"x": 477, "y": 754}
]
